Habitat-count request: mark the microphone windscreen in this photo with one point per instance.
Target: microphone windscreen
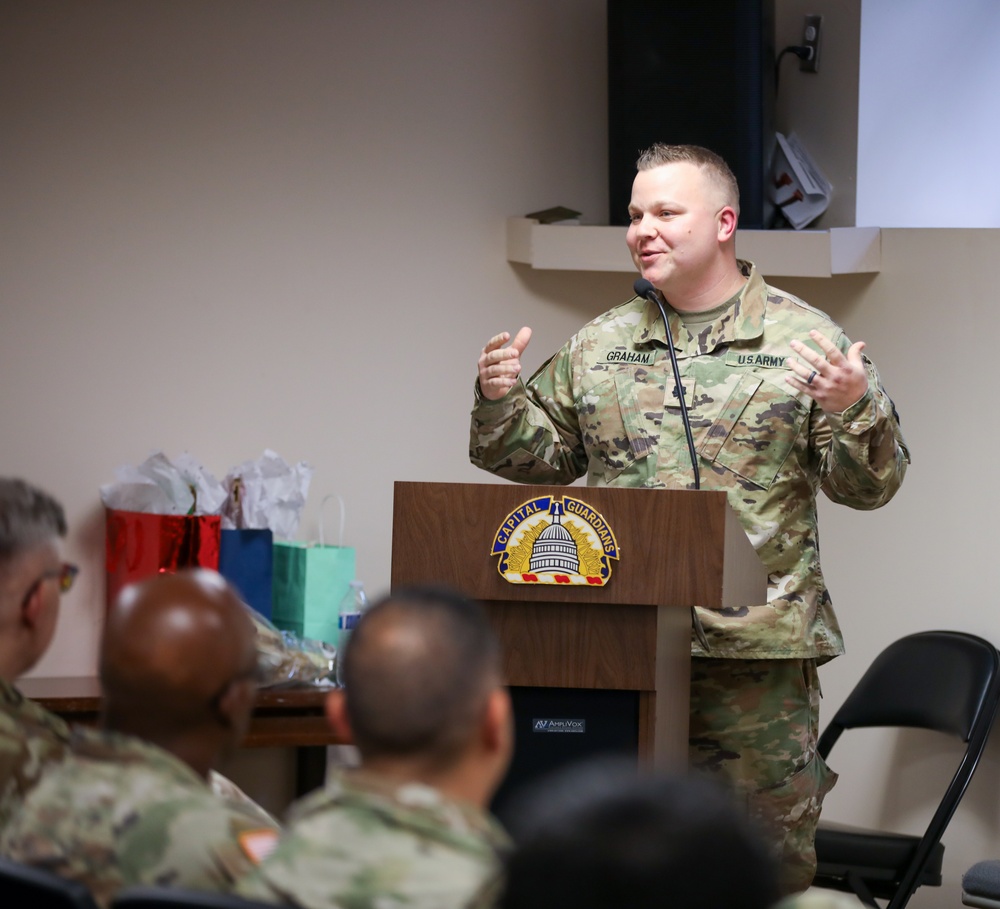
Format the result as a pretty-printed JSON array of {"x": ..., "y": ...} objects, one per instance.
[{"x": 644, "y": 288}]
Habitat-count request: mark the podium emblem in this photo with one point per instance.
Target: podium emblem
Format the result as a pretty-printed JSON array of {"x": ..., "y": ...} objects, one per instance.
[{"x": 553, "y": 540}]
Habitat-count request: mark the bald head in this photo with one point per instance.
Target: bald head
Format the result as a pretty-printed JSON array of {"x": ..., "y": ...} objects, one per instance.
[
  {"x": 173, "y": 647},
  {"x": 419, "y": 669}
]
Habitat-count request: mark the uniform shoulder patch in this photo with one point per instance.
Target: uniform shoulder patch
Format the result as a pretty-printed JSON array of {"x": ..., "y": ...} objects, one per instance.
[{"x": 257, "y": 845}]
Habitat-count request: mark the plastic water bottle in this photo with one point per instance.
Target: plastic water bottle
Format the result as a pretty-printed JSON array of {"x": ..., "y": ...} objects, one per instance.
[{"x": 351, "y": 606}]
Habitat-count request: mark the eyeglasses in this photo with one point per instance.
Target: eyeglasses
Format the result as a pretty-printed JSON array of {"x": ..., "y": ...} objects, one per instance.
[{"x": 65, "y": 574}]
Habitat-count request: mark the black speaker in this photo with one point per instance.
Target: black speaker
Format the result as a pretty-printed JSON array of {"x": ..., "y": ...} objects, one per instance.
[
  {"x": 684, "y": 72},
  {"x": 554, "y": 727}
]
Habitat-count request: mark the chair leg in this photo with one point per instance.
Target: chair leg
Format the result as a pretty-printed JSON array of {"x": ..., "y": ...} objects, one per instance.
[{"x": 861, "y": 890}]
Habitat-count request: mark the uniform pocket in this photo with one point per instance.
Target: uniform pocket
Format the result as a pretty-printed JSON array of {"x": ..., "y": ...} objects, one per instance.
[
  {"x": 612, "y": 424},
  {"x": 755, "y": 430},
  {"x": 790, "y": 812}
]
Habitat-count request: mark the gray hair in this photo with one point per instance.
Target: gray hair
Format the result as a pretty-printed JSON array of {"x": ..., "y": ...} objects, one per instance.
[{"x": 28, "y": 518}]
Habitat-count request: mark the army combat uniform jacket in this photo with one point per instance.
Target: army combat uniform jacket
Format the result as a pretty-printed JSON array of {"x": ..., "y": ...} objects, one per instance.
[
  {"x": 605, "y": 406},
  {"x": 363, "y": 842},
  {"x": 119, "y": 811},
  {"x": 31, "y": 738}
]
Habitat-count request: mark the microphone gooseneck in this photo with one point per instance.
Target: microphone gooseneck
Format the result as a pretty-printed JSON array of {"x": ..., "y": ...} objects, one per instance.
[{"x": 644, "y": 288}]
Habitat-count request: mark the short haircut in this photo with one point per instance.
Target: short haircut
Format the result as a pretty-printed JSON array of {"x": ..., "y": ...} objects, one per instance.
[
  {"x": 720, "y": 172},
  {"x": 418, "y": 670},
  {"x": 597, "y": 834},
  {"x": 28, "y": 518}
]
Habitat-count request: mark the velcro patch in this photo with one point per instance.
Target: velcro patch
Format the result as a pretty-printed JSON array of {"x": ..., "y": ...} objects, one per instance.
[
  {"x": 622, "y": 357},
  {"x": 258, "y": 844},
  {"x": 759, "y": 360}
]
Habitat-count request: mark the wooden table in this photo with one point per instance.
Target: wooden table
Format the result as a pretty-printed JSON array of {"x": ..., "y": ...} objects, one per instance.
[{"x": 282, "y": 717}]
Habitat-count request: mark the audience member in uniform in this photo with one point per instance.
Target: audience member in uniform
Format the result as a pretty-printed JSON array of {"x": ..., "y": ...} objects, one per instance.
[
  {"x": 32, "y": 578},
  {"x": 425, "y": 704},
  {"x": 131, "y": 803},
  {"x": 598, "y": 834}
]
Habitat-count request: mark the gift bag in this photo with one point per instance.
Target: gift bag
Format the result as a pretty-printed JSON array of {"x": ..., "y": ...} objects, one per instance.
[
  {"x": 310, "y": 580},
  {"x": 246, "y": 548},
  {"x": 138, "y": 545},
  {"x": 246, "y": 560}
]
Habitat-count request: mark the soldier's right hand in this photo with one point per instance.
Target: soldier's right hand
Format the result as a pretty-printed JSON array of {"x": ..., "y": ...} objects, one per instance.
[{"x": 500, "y": 366}]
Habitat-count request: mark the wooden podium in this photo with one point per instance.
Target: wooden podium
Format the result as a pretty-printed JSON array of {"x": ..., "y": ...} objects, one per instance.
[{"x": 677, "y": 549}]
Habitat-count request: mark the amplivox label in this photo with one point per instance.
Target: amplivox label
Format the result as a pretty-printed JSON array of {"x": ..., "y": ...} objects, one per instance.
[{"x": 558, "y": 725}]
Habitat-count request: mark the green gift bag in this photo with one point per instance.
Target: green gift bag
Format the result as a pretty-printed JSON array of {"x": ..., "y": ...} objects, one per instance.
[{"x": 309, "y": 581}]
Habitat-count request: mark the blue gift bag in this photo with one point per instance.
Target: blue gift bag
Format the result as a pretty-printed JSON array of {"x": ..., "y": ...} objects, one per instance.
[{"x": 246, "y": 560}]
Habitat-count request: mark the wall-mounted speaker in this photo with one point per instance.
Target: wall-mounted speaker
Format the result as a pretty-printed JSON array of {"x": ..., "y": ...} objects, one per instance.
[{"x": 700, "y": 73}]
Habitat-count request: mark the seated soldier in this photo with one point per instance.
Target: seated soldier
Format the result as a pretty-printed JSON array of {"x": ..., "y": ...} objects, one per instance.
[
  {"x": 32, "y": 577},
  {"x": 425, "y": 705},
  {"x": 131, "y": 803},
  {"x": 597, "y": 834}
]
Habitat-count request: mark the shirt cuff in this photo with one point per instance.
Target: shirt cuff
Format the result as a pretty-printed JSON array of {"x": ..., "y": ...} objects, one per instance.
[{"x": 860, "y": 417}]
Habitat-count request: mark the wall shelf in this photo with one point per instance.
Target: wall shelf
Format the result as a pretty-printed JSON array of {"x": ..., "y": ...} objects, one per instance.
[{"x": 783, "y": 253}]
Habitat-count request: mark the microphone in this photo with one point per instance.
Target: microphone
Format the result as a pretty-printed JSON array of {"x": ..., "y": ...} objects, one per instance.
[{"x": 644, "y": 288}]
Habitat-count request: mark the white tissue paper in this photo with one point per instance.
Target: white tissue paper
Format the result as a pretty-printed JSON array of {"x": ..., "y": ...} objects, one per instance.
[
  {"x": 161, "y": 486},
  {"x": 272, "y": 494}
]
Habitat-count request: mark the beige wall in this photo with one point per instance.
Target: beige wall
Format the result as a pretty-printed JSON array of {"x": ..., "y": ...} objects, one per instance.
[
  {"x": 246, "y": 224},
  {"x": 821, "y": 108},
  {"x": 928, "y": 559},
  {"x": 236, "y": 225}
]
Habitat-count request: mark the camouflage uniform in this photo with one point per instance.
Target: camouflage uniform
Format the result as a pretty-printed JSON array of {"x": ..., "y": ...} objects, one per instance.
[
  {"x": 224, "y": 788},
  {"x": 30, "y": 739},
  {"x": 605, "y": 406},
  {"x": 362, "y": 842},
  {"x": 119, "y": 811}
]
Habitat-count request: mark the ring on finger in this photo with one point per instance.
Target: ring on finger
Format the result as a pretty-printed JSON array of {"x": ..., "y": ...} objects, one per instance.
[{"x": 812, "y": 376}]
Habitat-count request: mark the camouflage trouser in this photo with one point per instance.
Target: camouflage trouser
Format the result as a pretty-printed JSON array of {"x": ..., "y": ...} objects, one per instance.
[{"x": 754, "y": 722}]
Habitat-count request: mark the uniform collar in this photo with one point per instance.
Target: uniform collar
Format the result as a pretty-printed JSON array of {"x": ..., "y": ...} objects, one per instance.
[
  {"x": 119, "y": 747},
  {"x": 743, "y": 323}
]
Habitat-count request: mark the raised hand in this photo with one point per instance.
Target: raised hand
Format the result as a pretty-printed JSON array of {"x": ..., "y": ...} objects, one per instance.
[
  {"x": 500, "y": 366},
  {"x": 832, "y": 380}
]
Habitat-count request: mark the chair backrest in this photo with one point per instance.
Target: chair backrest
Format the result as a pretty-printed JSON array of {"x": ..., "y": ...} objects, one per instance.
[
  {"x": 947, "y": 681},
  {"x": 22, "y": 885},
  {"x": 149, "y": 897},
  {"x": 937, "y": 680}
]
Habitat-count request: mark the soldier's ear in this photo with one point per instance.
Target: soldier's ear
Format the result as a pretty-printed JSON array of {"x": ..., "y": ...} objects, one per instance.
[
  {"x": 727, "y": 223},
  {"x": 498, "y": 722},
  {"x": 32, "y": 607},
  {"x": 235, "y": 704},
  {"x": 336, "y": 714}
]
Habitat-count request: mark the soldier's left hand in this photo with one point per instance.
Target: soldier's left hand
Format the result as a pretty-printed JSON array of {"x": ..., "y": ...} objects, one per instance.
[{"x": 832, "y": 380}]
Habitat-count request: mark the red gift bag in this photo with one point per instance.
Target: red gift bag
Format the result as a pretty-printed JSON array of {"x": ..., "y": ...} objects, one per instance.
[{"x": 138, "y": 545}]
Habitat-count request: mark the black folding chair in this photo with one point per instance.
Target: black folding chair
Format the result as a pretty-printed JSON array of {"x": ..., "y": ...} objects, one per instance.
[
  {"x": 170, "y": 898},
  {"x": 946, "y": 681},
  {"x": 24, "y": 887}
]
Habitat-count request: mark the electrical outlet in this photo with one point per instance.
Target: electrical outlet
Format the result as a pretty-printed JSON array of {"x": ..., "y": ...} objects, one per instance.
[{"x": 810, "y": 39}]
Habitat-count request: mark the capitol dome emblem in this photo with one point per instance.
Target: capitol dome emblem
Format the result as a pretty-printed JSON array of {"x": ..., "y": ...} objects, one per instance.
[{"x": 551, "y": 540}]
